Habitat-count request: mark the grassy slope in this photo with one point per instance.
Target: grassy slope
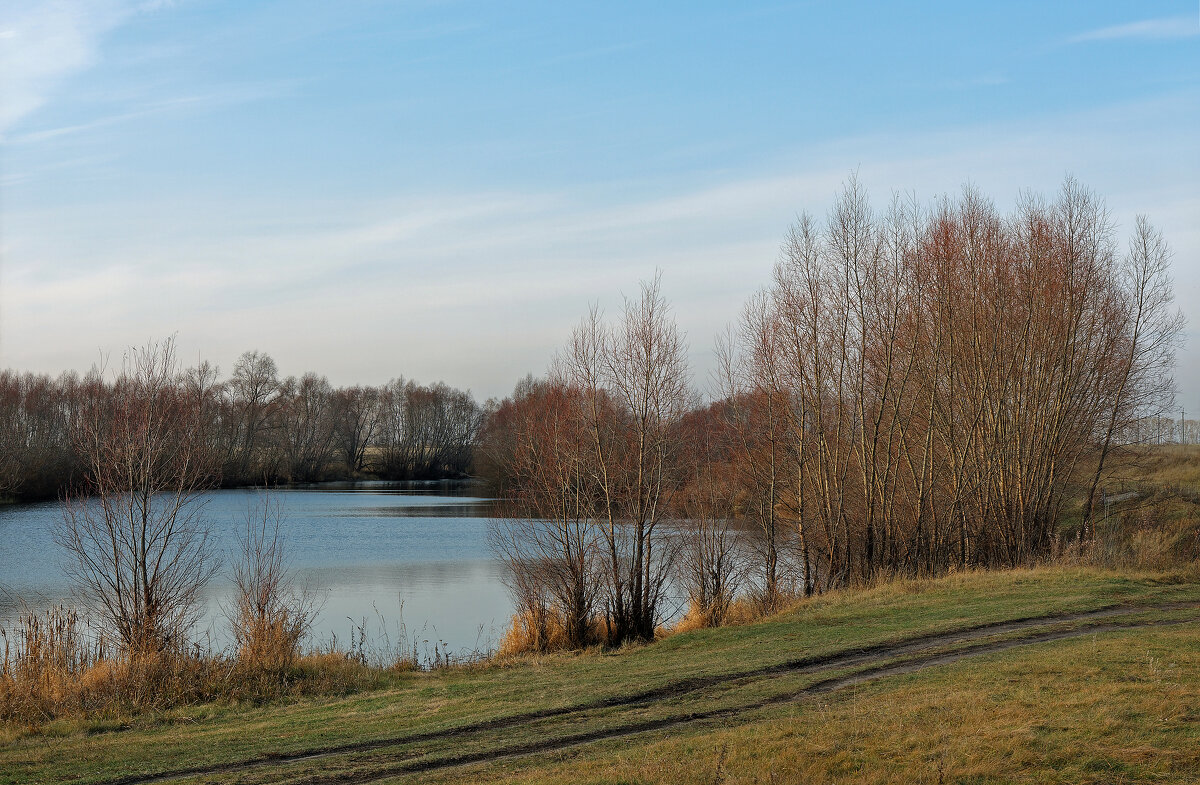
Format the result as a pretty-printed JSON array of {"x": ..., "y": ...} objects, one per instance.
[
  {"x": 844, "y": 734},
  {"x": 1161, "y": 524},
  {"x": 1118, "y": 707}
]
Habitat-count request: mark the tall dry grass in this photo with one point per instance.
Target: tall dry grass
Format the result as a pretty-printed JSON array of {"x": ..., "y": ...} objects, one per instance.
[
  {"x": 270, "y": 615},
  {"x": 542, "y": 630},
  {"x": 56, "y": 665},
  {"x": 1161, "y": 531}
]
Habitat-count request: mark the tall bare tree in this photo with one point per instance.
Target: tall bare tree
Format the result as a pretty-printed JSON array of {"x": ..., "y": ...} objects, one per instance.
[
  {"x": 1143, "y": 385},
  {"x": 355, "y": 420},
  {"x": 635, "y": 389},
  {"x": 253, "y": 387}
]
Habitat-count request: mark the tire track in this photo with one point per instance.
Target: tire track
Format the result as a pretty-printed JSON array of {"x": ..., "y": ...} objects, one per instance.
[
  {"x": 561, "y": 743},
  {"x": 842, "y": 659}
]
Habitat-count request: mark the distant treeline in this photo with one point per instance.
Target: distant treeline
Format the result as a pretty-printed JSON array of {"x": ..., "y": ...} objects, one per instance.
[{"x": 255, "y": 427}]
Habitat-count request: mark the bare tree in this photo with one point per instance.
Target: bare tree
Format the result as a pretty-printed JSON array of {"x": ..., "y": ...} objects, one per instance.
[
  {"x": 253, "y": 387},
  {"x": 355, "y": 419},
  {"x": 634, "y": 389},
  {"x": 12, "y": 439},
  {"x": 138, "y": 541},
  {"x": 709, "y": 567},
  {"x": 208, "y": 394},
  {"x": 750, "y": 374},
  {"x": 1143, "y": 383},
  {"x": 304, "y": 427},
  {"x": 425, "y": 431}
]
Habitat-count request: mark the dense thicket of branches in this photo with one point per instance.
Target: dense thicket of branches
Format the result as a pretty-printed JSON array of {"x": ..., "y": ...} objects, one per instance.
[
  {"x": 38, "y": 416},
  {"x": 917, "y": 389},
  {"x": 591, "y": 458},
  {"x": 939, "y": 375},
  {"x": 255, "y": 427}
]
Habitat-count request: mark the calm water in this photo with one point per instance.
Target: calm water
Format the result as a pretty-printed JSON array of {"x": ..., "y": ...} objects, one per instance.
[{"x": 375, "y": 552}]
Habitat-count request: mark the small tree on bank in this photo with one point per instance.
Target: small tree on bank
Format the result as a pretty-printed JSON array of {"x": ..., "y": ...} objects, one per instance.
[{"x": 138, "y": 544}]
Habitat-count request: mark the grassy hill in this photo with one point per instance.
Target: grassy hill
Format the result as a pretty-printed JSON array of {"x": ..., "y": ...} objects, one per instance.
[{"x": 1048, "y": 675}]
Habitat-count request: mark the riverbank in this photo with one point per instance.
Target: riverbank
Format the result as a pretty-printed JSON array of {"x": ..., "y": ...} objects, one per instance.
[{"x": 867, "y": 685}]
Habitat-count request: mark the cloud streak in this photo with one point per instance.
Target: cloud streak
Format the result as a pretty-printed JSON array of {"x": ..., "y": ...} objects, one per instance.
[
  {"x": 1145, "y": 30},
  {"x": 222, "y": 96},
  {"x": 42, "y": 44}
]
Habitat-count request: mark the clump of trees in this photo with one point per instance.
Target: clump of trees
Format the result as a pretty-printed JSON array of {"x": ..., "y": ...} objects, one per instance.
[
  {"x": 945, "y": 371},
  {"x": 266, "y": 429},
  {"x": 591, "y": 460},
  {"x": 917, "y": 390},
  {"x": 38, "y": 416},
  {"x": 254, "y": 427}
]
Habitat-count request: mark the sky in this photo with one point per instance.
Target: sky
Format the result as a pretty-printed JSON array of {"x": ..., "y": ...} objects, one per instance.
[{"x": 440, "y": 190}]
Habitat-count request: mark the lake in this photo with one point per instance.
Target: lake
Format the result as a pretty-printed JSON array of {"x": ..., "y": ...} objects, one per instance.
[{"x": 387, "y": 554}]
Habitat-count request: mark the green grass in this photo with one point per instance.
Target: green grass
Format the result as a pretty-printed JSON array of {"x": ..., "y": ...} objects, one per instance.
[
  {"x": 1119, "y": 707},
  {"x": 89, "y": 752}
]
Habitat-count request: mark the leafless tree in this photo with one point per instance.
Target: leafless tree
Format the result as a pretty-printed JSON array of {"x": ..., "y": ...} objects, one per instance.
[
  {"x": 355, "y": 419},
  {"x": 253, "y": 388},
  {"x": 304, "y": 427},
  {"x": 218, "y": 428},
  {"x": 634, "y": 389},
  {"x": 138, "y": 542},
  {"x": 710, "y": 569},
  {"x": 750, "y": 376},
  {"x": 425, "y": 431},
  {"x": 12, "y": 439},
  {"x": 1143, "y": 385}
]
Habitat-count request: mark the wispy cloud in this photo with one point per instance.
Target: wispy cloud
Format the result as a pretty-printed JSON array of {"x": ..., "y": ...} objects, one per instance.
[
  {"x": 43, "y": 43},
  {"x": 1146, "y": 29},
  {"x": 220, "y": 96}
]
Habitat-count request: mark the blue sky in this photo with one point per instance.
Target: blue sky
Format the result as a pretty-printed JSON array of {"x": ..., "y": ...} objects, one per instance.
[{"x": 439, "y": 189}]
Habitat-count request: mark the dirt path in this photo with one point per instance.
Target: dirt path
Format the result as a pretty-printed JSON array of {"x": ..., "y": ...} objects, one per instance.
[{"x": 878, "y": 653}]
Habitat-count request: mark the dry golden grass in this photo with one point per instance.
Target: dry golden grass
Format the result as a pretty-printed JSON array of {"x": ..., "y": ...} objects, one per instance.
[
  {"x": 741, "y": 611},
  {"x": 540, "y": 633},
  {"x": 54, "y": 668},
  {"x": 197, "y": 735},
  {"x": 1176, "y": 465},
  {"x": 543, "y": 633}
]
